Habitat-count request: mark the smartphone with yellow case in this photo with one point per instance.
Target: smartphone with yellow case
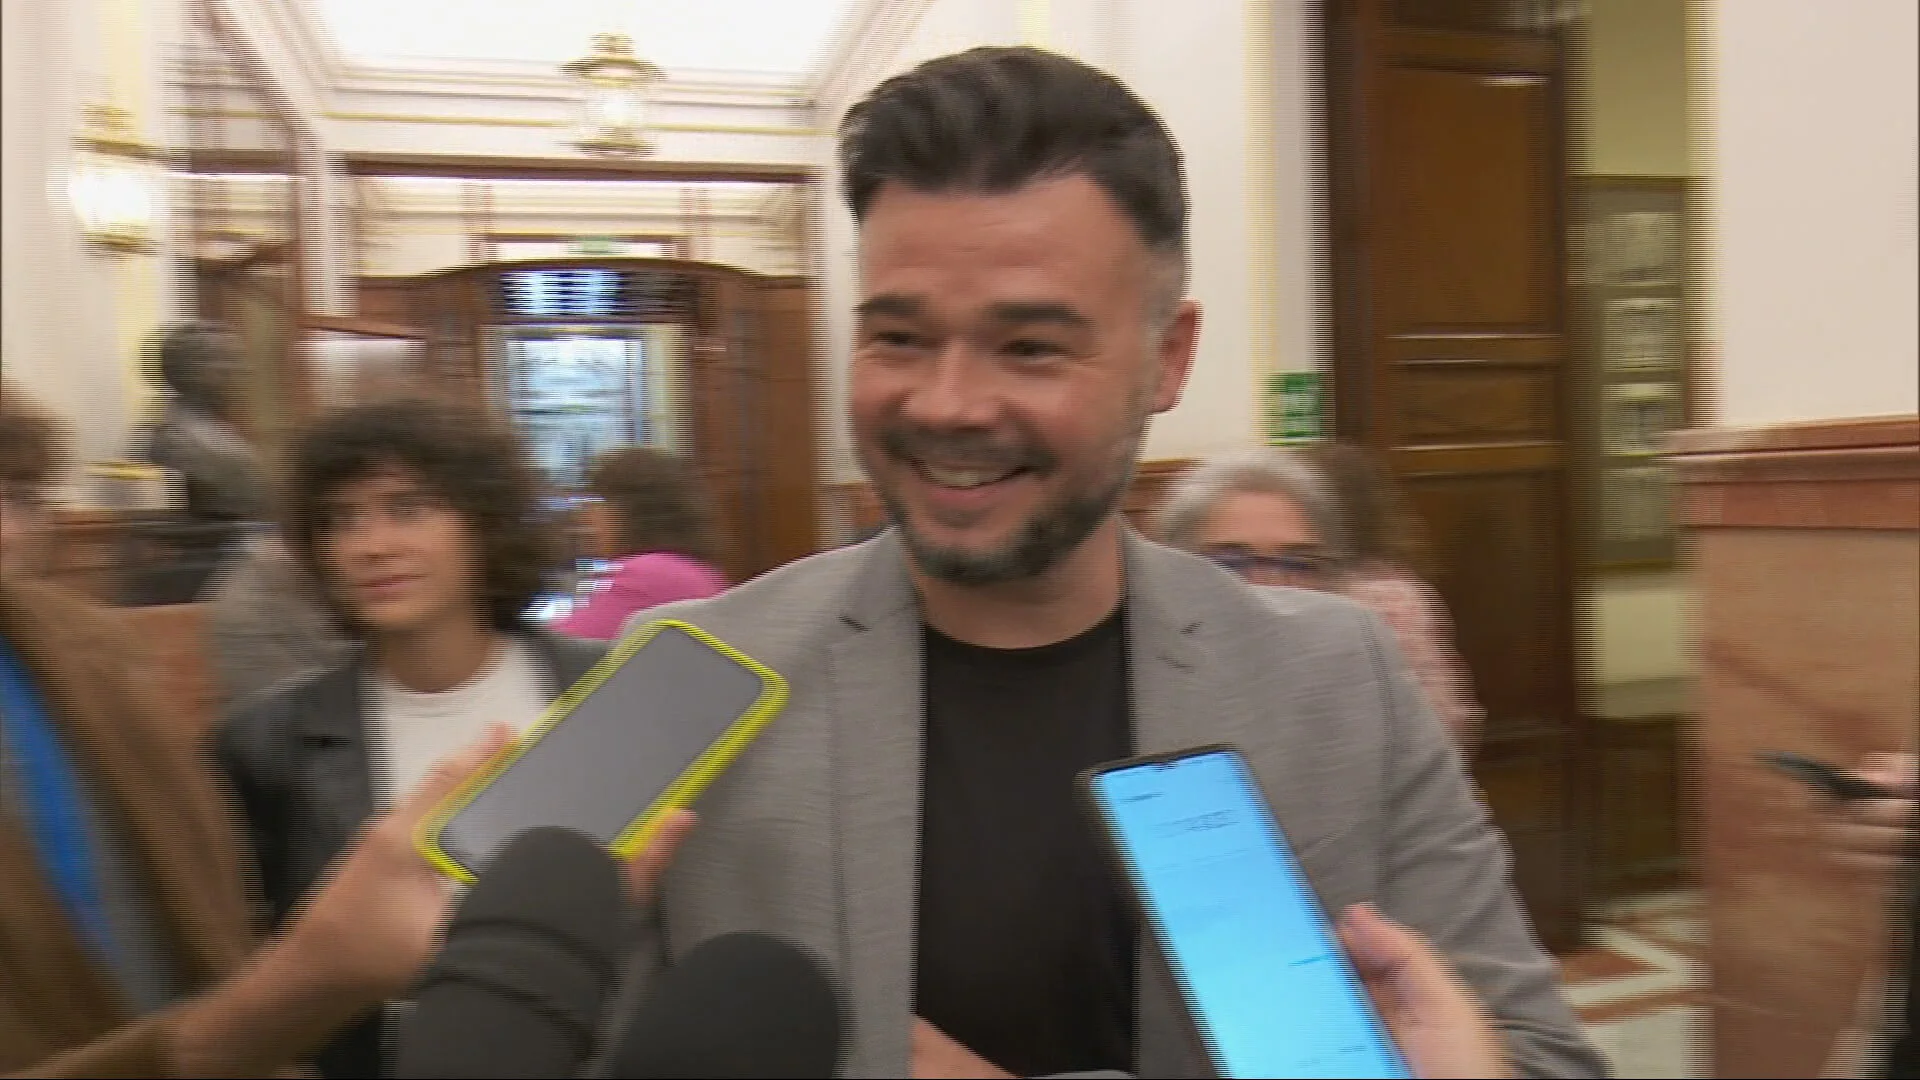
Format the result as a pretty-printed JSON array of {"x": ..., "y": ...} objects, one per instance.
[{"x": 641, "y": 734}]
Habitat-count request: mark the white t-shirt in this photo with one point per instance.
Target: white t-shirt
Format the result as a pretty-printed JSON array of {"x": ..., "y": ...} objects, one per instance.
[{"x": 417, "y": 731}]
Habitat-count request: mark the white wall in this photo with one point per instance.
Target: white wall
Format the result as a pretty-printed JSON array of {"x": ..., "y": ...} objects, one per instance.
[
  {"x": 1241, "y": 110},
  {"x": 1814, "y": 144},
  {"x": 72, "y": 320}
]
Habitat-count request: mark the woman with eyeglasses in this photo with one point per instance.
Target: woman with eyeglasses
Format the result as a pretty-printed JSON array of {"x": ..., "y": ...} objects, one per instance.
[{"x": 1334, "y": 523}]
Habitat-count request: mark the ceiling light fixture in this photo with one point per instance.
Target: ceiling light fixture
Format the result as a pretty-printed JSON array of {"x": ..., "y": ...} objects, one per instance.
[
  {"x": 615, "y": 89},
  {"x": 115, "y": 181}
]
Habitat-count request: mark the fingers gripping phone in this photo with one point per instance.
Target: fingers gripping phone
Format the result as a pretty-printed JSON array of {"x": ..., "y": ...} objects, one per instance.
[
  {"x": 1828, "y": 780},
  {"x": 1251, "y": 948},
  {"x": 644, "y": 732}
]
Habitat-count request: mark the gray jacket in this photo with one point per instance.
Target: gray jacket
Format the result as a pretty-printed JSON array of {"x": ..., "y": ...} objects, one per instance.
[{"x": 813, "y": 834}]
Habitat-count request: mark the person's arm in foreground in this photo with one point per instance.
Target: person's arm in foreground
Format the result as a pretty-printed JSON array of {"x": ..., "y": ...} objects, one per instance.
[
  {"x": 1872, "y": 838},
  {"x": 363, "y": 939}
]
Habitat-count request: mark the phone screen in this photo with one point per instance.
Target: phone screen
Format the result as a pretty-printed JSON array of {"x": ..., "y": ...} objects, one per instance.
[
  {"x": 622, "y": 746},
  {"x": 1272, "y": 993}
]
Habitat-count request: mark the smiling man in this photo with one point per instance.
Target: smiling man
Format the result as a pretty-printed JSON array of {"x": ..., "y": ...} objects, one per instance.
[{"x": 1023, "y": 259}]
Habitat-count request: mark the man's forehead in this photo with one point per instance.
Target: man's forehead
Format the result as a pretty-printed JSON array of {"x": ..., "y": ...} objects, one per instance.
[
  {"x": 971, "y": 265},
  {"x": 1062, "y": 225}
]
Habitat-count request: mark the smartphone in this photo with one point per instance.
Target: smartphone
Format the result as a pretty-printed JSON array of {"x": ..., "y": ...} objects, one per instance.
[
  {"x": 643, "y": 733},
  {"x": 1830, "y": 780},
  {"x": 1256, "y": 960}
]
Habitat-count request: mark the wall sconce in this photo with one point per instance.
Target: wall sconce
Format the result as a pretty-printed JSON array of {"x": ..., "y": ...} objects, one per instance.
[
  {"x": 115, "y": 181},
  {"x": 615, "y": 89}
]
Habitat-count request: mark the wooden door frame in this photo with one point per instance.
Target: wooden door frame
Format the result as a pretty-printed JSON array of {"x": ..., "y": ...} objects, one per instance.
[{"x": 1348, "y": 30}]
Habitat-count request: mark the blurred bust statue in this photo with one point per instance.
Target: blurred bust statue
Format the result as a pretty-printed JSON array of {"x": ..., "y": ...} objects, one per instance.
[{"x": 200, "y": 366}]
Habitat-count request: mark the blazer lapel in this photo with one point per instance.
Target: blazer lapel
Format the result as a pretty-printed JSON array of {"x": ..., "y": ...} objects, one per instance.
[
  {"x": 1168, "y": 709},
  {"x": 877, "y": 679}
]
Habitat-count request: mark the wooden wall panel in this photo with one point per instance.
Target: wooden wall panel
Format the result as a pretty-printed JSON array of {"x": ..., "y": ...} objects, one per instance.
[{"x": 1805, "y": 548}]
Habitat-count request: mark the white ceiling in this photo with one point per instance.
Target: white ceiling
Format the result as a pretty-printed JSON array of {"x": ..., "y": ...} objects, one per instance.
[{"x": 774, "y": 37}]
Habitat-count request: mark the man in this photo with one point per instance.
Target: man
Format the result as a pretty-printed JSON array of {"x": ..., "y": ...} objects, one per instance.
[
  {"x": 123, "y": 920},
  {"x": 910, "y": 816}
]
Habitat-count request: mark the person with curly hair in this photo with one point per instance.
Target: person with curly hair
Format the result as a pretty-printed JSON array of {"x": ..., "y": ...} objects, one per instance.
[
  {"x": 648, "y": 515},
  {"x": 420, "y": 521},
  {"x": 124, "y": 931}
]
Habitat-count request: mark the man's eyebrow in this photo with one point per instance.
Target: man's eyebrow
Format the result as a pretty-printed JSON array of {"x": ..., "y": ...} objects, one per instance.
[
  {"x": 1015, "y": 311},
  {"x": 897, "y": 305}
]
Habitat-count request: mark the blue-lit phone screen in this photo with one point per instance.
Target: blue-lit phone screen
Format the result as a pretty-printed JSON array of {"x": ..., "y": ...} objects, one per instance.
[{"x": 1272, "y": 994}]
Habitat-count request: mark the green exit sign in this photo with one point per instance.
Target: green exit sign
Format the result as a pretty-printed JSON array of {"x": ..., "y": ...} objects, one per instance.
[
  {"x": 596, "y": 246},
  {"x": 1294, "y": 410}
]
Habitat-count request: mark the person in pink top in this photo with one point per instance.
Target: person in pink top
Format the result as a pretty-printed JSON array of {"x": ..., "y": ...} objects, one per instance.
[{"x": 648, "y": 515}]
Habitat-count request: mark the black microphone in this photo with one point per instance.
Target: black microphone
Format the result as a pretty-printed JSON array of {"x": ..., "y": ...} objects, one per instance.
[
  {"x": 529, "y": 963},
  {"x": 737, "y": 1007}
]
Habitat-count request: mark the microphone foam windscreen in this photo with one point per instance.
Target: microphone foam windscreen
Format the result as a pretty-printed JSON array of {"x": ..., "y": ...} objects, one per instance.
[
  {"x": 737, "y": 1007},
  {"x": 529, "y": 962}
]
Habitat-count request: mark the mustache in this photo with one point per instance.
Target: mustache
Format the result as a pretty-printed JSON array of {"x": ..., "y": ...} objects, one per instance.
[{"x": 978, "y": 449}]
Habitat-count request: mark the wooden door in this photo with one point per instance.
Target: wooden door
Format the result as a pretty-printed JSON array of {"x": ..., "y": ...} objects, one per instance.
[
  {"x": 727, "y": 386},
  {"x": 1447, "y": 165}
]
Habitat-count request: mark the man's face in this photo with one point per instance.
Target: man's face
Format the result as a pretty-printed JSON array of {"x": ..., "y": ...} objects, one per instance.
[
  {"x": 1005, "y": 364},
  {"x": 398, "y": 557}
]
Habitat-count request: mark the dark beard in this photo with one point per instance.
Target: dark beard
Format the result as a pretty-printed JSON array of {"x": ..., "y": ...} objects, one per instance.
[{"x": 1041, "y": 542}]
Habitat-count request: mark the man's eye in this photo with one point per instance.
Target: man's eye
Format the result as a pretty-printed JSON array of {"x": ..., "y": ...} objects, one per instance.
[
  {"x": 895, "y": 339},
  {"x": 1033, "y": 350}
]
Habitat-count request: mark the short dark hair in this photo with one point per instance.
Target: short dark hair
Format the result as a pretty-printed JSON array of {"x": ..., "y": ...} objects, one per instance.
[
  {"x": 467, "y": 457},
  {"x": 33, "y": 443},
  {"x": 658, "y": 501},
  {"x": 994, "y": 119}
]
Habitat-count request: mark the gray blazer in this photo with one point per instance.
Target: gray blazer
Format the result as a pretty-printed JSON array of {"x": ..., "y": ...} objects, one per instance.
[{"x": 813, "y": 834}]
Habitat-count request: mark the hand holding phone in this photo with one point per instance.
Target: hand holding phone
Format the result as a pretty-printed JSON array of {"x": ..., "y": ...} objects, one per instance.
[
  {"x": 1830, "y": 781},
  {"x": 1267, "y": 987},
  {"x": 636, "y": 740},
  {"x": 1433, "y": 1017}
]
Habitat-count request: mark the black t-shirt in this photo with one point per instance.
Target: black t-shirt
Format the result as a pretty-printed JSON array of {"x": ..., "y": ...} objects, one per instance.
[{"x": 1023, "y": 945}]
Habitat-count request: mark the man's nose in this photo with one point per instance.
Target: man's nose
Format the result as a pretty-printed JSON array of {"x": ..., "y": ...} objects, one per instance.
[{"x": 956, "y": 392}]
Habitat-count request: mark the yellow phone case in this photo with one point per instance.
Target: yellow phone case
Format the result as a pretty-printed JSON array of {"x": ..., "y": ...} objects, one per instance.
[{"x": 712, "y": 761}]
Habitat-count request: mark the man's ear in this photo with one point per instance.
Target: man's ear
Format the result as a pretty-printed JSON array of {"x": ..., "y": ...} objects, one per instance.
[{"x": 1173, "y": 355}]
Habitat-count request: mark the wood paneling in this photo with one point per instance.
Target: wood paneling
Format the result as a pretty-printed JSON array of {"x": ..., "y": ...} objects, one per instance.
[
  {"x": 175, "y": 639},
  {"x": 749, "y": 392},
  {"x": 1859, "y": 475},
  {"x": 1808, "y": 605},
  {"x": 1447, "y": 163}
]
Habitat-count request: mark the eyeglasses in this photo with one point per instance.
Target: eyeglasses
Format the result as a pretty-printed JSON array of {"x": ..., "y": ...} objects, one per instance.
[{"x": 1249, "y": 564}]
